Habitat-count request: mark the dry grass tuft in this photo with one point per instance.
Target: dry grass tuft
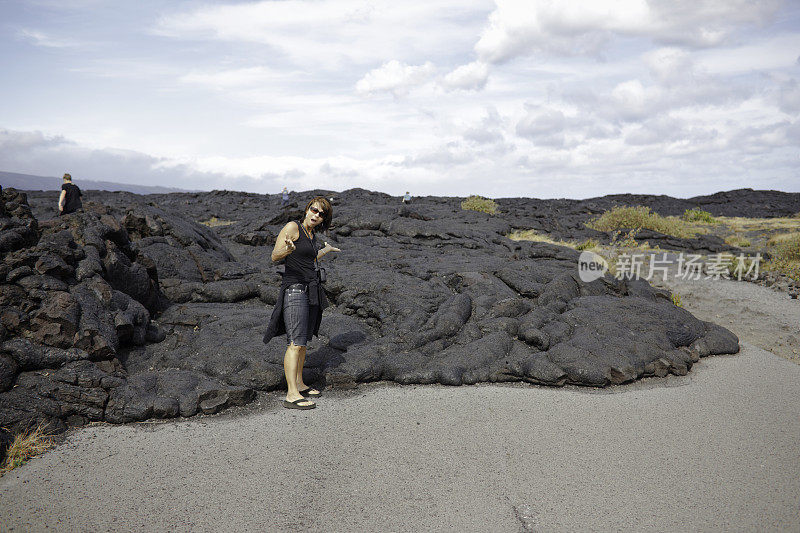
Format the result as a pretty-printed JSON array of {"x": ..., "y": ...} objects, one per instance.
[
  {"x": 479, "y": 203},
  {"x": 215, "y": 222},
  {"x": 531, "y": 235},
  {"x": 785, "y": 254},
  {"x": 737, "y": 240},
  {"x": 640, "y": 217},
  {"x": 790, "y": 243},
  {"x": 588, "y": 244},
  {"x": 742, "y": 224},
  {"x": 27, "y": 444}
]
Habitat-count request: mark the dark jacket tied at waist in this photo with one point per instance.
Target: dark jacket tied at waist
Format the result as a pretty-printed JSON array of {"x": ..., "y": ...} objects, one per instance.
[{"x": 316, "y": 296}]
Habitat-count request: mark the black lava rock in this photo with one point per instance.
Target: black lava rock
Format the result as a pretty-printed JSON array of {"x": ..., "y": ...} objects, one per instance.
[{"x": 424, "y": 293}]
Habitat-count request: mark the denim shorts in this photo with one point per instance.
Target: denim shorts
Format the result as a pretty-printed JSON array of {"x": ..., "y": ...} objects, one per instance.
[{"x": 298, "y": 317}]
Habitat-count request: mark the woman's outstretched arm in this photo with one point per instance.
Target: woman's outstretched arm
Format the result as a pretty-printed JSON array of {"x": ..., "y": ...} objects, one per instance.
[
  {"x": 327, "y": 248},
  {"x": 284, "y": 243}
]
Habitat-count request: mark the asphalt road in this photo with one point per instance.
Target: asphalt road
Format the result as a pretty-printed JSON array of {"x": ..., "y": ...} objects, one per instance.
[{"x": 718, "y": 449}]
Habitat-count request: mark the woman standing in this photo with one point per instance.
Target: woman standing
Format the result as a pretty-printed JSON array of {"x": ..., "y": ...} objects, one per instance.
[{"x": 298, "y": 310}]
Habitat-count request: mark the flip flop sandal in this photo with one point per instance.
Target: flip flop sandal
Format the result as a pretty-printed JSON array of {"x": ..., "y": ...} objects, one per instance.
[
  {"x": 310, "y": 392},
  {"x": 296, "y": 404}
]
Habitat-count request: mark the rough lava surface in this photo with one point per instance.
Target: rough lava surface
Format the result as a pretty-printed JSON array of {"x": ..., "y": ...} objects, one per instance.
[{"x": 132, "y": 309}]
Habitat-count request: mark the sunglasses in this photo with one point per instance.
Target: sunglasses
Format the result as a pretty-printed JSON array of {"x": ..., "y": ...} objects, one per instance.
[{"x": 316, "y": 211}]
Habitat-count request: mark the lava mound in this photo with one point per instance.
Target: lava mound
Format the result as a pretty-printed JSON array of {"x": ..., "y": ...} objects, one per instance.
[{"x": 133, "y": 309}]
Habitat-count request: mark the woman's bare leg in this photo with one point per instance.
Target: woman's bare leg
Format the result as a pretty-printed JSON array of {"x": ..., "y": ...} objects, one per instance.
[
  {"x": 301, "y": 385},
  {"x": 291, "y": 363},
  {"x": 301, "y": 359}
]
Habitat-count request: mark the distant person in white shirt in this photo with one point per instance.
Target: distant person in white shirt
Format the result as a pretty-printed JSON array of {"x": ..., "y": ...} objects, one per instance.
[
  {"x": 407, "y": 198},
  {"x": 284, "y": 197},
  {"x": 70, "y": 199}
]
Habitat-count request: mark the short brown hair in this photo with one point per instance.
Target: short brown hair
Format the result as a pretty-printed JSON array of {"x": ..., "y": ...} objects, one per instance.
[
  {"x": 327, "y": 211},
  {"x": 67, "y": 177}
]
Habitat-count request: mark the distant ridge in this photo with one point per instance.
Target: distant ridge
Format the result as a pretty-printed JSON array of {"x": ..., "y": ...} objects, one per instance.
[{"x": 27, "y": 182}]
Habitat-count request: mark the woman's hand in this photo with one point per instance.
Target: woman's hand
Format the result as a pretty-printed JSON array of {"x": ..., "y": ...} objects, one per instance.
[
  {"x": 284, "y": 242},
  {"x": 327, "y": 248}
]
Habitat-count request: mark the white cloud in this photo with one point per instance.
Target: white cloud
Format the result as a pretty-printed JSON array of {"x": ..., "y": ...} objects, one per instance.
[
  {"x": 583, "y": 96},
  {"x": 669, "y": 64},
  {"x": 472, "y": 76},
  {"x": 661, "y": 130},
  {"x": 778, "y": 51},
  {"x": 789, "y": 97},
  {"x": 544, "y": 126},
  {"x": 40, "y": 38},
  {"x": 488, "y": 130},
  {"x": 632, "y": 100},
  {"x": 446, "y": 155},
  {"x": 234, "y": 78},
  {"x": 395, "y": 77},
  {"x": 327, "y": 34},
  {"x": 49, "y": 155},
  {"x": 523, "y": 27}
]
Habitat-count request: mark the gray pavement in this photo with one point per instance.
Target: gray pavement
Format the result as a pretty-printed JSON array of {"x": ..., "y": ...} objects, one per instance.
[{"x": 718, "y": 449}]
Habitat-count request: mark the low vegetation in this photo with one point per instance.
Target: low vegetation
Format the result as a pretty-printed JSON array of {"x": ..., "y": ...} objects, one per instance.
[
  {"x": 611, "y": 252},
  {"x": 26, "y": 445},
  {"x": 698, "y": 215},
  {"x": 627, "y": 240},
  {"x": 479, "y": 203},
  {"x": 785, "y": 254},
  {"x": 741, "y": 267},
  {"x": 215, "y": 222},
  {"x": 621, "y": 243},
  {"x": 531, "y": 235},
  {"x": 742, "y": 224},
  {"x": 786, "y": 244},
  {"x": 676, "y": 299},
  {"x": 780, "y": 237},
  {"x": 640, "y": 217},
  {"x": 737, "y": 240},
  {"x": 588, "y": 244}
]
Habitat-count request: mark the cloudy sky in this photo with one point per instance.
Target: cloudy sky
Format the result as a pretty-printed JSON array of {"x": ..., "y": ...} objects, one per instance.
[{"x": 543, "y": 98}]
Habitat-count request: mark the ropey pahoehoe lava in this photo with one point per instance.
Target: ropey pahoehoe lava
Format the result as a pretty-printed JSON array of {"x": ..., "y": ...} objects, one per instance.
[{"x": 132, "y": 309}]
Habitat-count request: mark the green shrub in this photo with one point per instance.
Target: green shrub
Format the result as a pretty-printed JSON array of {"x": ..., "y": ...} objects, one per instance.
[
  {"x": 479, "y": 203},
  {"x": 588, "y": 244},
  {"x": 640, "y": 217},
  {"x": 698, "y": 215},
  {"x": 626, "y": 241},
  {"x": 676, "y": 299}
]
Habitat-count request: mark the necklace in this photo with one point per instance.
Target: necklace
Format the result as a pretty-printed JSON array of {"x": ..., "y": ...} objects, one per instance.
[
  {"x": 308, "y": 233},
  {"x": 310, "y": 236}
]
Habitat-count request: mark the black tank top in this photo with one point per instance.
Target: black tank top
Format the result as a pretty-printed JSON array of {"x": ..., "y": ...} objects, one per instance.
[
  {"x": 300, "y": 263},
  {"x": 72, "y": 200}
]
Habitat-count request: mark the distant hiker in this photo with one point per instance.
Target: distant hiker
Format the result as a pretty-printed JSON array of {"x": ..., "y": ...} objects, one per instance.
[
  {"x": 407, "y": 198},
  {"x": 70, "y": 199},
  {"x": 284, "y": 197},
  {"x": 298, "y": 308}
]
